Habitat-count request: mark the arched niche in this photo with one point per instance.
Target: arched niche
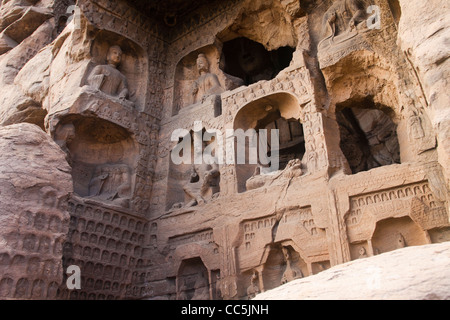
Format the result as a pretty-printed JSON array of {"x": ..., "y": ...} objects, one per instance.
[
  {"x": 277, "y": 111},
  {"x": 283, "y": 264},
  {"x": 395, "y": 233},
  {"x": 362, "y": 74},
  {"x": 134, "y": 64},
  {"x": 192, "y": 280},
  {"x": 103, "y": 156}
]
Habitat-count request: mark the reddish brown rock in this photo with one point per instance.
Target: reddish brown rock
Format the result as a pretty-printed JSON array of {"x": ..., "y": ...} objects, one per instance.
[
  {"x": 415, "y": 273},
  {"x": 35, "y": 184},
  {"x": 128, "y": 88}
]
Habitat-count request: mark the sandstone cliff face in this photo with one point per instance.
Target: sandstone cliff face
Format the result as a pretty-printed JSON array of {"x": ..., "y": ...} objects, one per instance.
[
  {"x": 424, "y": 32},
  {"x": 35, "y": 184},
  {"x": 359, "y": 111},
  {"x": 414, "y": 273}
]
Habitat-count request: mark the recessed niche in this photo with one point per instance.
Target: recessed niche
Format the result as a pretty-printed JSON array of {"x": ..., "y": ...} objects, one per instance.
[
  {"x": 192, "y": 280},
  {"x": 368, "y": 135},
  {"x": 395, "y": 233},
  {"x": 198, "y": 79},
  {"x": 103, "y": 157},
  {"x": 251, "y": 62},
  {"x": 190, "y": 184},
  {"x": 283, "y": 264},
  {"x": 275, "y": 112}
]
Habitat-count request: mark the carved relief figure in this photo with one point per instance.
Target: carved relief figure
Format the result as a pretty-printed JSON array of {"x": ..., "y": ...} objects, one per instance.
[
  {"x": 207, "y": 84},
  {"x": 260, "y": 176},
  {"x": 342, "y": 17},
  {"x": 218, "y": 291},
  {"x": 416, "y": 131},
  {"x": 201, "y": 289},
  {"x": 107, "y": 78},
  {"x": 291, "y": 272},
  {"x": 362, "y": 253},
  {"x": 182, "y": 293},
  {"x": 112, "y": 183},
  {"x": 253, "y": 289},
  {"x": 64, "y": 135},
  {"x": 415, "y": 126},
  {"x": 203, "y": 182},
  {"x": 255, "y": 62}
]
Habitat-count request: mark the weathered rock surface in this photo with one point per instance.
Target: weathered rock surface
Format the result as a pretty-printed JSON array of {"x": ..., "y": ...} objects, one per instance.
[
  {"x": 35, "y": 184},
  {"x": 424, "y": 38},
  {"x": 410, "y": 273},
  {"x": 363, "y": 121}
]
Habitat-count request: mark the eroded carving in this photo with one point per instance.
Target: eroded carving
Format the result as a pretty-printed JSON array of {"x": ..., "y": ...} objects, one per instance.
[
  {"x": 111, "y": 183},
  {"x": 203, "y": 184},
  {"x": 342, "y": 20},
  {"x": 207, "y": 84},
  {"x": 253, "y": 288}
]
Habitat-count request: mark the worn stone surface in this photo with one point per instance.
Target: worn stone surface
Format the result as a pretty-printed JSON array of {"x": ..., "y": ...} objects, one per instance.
[
  {"x": 414, "y": 273},
  {"x": 35, "y": 185},
  {"x": 133, "y": 99},
  {"x": 424, "y": 40}
]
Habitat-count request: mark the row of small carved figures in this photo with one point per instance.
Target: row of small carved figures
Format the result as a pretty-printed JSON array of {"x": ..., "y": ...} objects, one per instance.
[
  {"x": 35, "y": 265},
  {"x": 130, "y": 285},
  {"x": 25, "y": 288},
  {"x": 67, "y": 294},
  {"x": 127, "y": 258},
  {"x": 269, "y": 222},
  {"x": 103, "y": 231},
  {"x": 42, "y": 222},
  {"x": 116, "y": 219},
  {"x": 101, "y": 214},
  {"x": 90, "y": 272},
  {"x": 393, "y": 194},
  {"x": 108, "y": 291},
  {"x": 35, "y": 243}
]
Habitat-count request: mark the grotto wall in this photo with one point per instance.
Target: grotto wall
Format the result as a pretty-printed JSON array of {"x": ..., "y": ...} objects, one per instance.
[{"x": 357, "y": 166}]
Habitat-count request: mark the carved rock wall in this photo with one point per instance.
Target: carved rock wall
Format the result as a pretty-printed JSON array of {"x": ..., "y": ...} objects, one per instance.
[
  {"x": 360, "y": 170},
  {"x": 35, "y": 184},
  {"x": 423, "y": 39}
]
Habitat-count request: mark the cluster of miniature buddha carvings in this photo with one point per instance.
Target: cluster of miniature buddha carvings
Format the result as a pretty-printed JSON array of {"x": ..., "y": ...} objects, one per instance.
[{"x": 326, "y": 87}]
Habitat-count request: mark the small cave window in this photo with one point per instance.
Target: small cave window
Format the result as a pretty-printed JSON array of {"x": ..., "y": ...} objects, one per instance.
[
  {"x": 251, "y": 62},
  {"x": 368, "y": 135},
  {"x": 191, "y": 183}
]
